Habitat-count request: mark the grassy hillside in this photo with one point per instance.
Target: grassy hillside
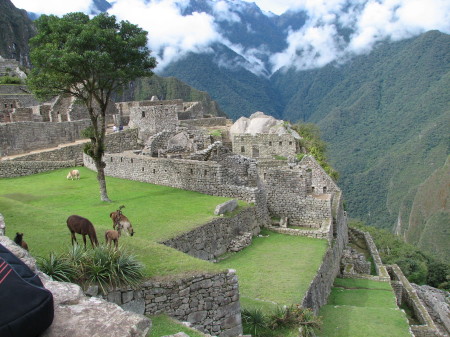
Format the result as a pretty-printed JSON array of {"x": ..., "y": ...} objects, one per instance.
[
  {"x": 386, "y": 117},
  {"x": 429, "y": 221}
]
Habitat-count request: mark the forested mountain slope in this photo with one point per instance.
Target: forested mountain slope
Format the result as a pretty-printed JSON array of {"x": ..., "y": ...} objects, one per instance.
[{"x": 386, "y": 117}]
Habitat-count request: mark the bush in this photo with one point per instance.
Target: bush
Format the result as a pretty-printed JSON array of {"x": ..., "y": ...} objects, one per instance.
[
  {"x": 101, "y": 266},
  {"x": 10, "y": 80},
  {"x": 283, "y": 318}
]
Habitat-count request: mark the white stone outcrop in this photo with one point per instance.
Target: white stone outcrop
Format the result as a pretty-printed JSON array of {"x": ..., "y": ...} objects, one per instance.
[{"x": 259, "y": 123}]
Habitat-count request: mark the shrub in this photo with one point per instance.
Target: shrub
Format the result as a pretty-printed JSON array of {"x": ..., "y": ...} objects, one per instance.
[
  {"x": 10, "y": 80},
  {"x": 57, "y": 267},
  {"x": 101, "y": 266},
  {"x": 254, "y": 321}
]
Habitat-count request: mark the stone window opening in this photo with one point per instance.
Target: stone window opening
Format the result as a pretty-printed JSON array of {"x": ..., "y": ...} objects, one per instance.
[
  {"x": 324, "y": 189},
  {"x": 111, "y": 159},
  {"x": 121, "y": 159},
  {"x": 142, "y": 169},
  {"x": 143, "y": 114},
  {"x": 6, "y": 105},
  {"x": 12, "y": 106},
  {"x": 312, "y": 189},
  {"x": 280, "y": 143},
  {"x": 192, "y": 171},
  {"x": 206, "y": 172},
  {"x": 290, "y": 143},
  {"x": 242, "y": 149},
  {"x": 131, "y": 160},
  {"x": 154, "y": 171},
  {"x": 270, "y": 143}
]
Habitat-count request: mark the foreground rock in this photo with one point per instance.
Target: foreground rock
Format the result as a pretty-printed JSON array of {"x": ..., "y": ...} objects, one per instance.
[
  {"x": 77, "y": 315},
  {"x": 437, "y": 303}
]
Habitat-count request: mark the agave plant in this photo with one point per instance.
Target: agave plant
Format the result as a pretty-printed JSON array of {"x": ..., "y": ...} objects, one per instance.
[
  {"x": 57, "y": 267},
  {"x": 254, "y": 320}
]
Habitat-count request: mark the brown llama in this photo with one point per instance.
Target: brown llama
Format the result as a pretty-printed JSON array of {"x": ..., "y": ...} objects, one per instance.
[
  {"x": 19, "y": 240},
  {"x": 112, "y": 235},
  {"x": 83, "y": 226},
  {"x": 121, "y": 221}
]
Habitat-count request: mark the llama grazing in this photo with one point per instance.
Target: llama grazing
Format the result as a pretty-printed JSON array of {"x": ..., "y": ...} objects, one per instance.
[
  {"x": 74, "y": 174},
  {"x": 83, "y": 226},
  {"x": 19, "y": 240},
  {"x": 112, "y": 235}
]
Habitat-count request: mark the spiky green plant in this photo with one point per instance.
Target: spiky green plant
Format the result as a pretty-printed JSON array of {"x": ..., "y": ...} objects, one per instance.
[
  {"x": 254, "y": 321},
  {"x": 57, "y": 267}
]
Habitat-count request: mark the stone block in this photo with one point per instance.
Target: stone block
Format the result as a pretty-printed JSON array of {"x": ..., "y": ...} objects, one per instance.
[{"x": 227, "y": 206}]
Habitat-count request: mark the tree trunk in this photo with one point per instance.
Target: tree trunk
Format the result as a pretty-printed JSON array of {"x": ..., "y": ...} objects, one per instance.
[{"x": 101, "y": 180}]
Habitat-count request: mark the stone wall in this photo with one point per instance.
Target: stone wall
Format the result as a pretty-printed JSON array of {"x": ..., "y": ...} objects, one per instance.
[
  {"x": 202, "y": 176},
  {"x": 287, "y": 197},
  {"x": 265, "y": 145},
  {"x": 212, "y": 121},
  {"x": 16, "y": 138},
  {"x": 380, "y": 268},
  {"x": 321, "y": 182},
  {"x": 211, "y": 240},
  {"x": 114, "y": 143},
  {"x": 152, "y": 117},
  {"x": 322, "y": 283},
  {"x": 210, "y": 302},
  {"x": 9, "y": 169},
  {"x": 405, "y": 293}
]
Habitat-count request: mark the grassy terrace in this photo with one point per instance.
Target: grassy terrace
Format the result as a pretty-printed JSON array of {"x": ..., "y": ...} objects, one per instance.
[
  {"x": 362, "y": 308},
  {"x": 276, "y": 270},
  {"x": 39, "y": 205}
]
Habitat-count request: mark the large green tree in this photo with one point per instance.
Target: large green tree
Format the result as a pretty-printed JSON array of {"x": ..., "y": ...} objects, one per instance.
[{"x": 88, "y": 59}]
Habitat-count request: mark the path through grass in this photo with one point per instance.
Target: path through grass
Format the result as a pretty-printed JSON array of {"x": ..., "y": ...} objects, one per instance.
[
  {"x": 39, "y": 205},
  {"x": 362, "y": 308}
]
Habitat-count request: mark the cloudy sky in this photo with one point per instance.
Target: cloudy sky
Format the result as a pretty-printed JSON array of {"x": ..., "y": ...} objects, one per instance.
[{"x": 317, "y": 43}]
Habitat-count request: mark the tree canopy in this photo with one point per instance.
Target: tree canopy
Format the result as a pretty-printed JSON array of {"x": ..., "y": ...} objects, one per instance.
[{"x": 89, "y": 59}]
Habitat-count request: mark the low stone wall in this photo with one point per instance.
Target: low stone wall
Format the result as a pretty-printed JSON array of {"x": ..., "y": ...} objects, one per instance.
[
  {"x": 213, "y": 121},
  {"x": 9, "y": 169},
  {"x": 380, "y": 268},
  {"x": 210, "y": 302},
  {"x": 114, "y": 142},
  {"x": 321, "y": 285},
  {"x": 324, "y": 232},
  {"x": 405, "y": 293},
  {"x": 22, "y": 137},
  {"x": 209, "y": 241},
  {"x": 201, "y": 176}
]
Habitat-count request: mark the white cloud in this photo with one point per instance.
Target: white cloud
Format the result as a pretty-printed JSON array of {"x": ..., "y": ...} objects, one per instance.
[
  {"x": 223, "y": 12},
  {"x": 56, "y": 7},
  {"x": 371, "y": 21},
  {"x": 170, "y": 34}
]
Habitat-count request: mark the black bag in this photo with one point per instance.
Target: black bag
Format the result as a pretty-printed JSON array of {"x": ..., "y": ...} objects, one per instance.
[{"x": 26, "y": 307}]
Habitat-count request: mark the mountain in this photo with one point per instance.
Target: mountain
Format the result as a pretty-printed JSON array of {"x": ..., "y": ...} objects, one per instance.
[{"x": 15, "y": 31}]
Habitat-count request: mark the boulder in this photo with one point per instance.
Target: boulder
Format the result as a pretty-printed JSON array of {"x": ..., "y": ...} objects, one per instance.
[{"x": 227, "y": 206}]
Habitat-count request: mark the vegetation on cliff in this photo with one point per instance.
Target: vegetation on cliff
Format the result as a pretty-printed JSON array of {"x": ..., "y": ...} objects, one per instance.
[{"x": 418, "y": 266}]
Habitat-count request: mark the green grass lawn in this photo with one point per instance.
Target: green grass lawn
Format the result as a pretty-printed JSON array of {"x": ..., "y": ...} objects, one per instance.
[
  {"x": 362, "y": 308},
  {"x": 163, "y": 325},
  {"x": 39, "y": 205},
  {"x": 276, "y": 270}
]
